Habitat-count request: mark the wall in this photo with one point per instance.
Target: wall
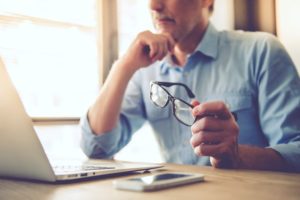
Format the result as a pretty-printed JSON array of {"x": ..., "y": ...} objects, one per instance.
[
  {"x": 288, "y": 27},
  {"x": 223, "y": 16}
]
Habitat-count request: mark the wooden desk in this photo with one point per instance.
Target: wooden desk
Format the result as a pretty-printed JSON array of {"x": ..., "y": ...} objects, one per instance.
[{"x": 219, "y": 184}]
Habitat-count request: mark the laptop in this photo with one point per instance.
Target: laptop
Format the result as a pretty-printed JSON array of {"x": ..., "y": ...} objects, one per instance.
[{"x": 22, "y": 154}]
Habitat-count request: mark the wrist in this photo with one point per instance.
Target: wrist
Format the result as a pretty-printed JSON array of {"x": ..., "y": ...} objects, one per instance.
[
  {"x": 125, "y": 67},
  {"x": 260, "y": 158}
]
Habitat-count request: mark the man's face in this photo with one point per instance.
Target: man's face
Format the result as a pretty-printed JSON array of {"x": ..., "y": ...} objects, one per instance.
[{"x": 179, "y": 18}]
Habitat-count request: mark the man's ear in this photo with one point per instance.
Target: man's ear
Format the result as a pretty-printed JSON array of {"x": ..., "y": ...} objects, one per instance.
[{"x": 208, "y": 4}]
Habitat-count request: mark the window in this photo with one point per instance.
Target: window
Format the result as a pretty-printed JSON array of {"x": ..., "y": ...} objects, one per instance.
[{"x": 49, "y": 48}]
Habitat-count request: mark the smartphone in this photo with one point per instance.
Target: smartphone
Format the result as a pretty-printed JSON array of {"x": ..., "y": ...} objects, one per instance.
[{"x": 157, "y": 181}]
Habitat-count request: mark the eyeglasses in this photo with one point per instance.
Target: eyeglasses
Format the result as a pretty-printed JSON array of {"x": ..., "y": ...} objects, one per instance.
[{"x": 181, "y": 109}]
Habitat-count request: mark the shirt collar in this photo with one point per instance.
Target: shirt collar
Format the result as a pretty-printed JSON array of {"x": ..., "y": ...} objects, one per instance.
[
  {"x": 207, "y": 46},
  {"x": 209, "y": 43}
]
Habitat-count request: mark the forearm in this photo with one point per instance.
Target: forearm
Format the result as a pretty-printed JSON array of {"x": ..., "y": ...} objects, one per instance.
[
  {"x": 260, "y": 159},
  {"x": 104, "y": 113}
]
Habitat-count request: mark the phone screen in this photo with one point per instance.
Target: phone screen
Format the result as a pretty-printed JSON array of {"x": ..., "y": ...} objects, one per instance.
[{"x": 159, "y": 177}]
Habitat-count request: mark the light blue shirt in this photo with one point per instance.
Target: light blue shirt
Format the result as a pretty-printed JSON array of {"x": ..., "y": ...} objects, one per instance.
[{"x": 250, "y": 72}]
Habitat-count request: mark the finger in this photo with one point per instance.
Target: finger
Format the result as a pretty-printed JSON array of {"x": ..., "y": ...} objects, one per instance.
[
  {"x": 210, "y": 150},
  {"x": 195, "y": 102},
  {"x": 217, "y": 108},
  {"x": 205, "y": 137},
  {"x": 170, "y": 41},
  {"x": 162, "y": 47},
  {"x": 153, "y": 50},
  {"x": 157, "y": 53},
  {"x": 163, "y": 50},
  {"x": 208, "y": 123}
]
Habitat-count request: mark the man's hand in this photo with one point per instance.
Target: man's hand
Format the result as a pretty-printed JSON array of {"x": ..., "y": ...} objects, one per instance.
[
  {"x": 215, "y": 134},
  {"x": 148, "y": 48}
]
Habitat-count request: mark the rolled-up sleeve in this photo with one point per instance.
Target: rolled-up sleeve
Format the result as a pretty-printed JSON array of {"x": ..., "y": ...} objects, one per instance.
[
  {"x": 279, "y": 102},
  {"x": 103, "y": 146},
  {"x": 290, "y": 152},
  {"x": 131, "y": 118}
]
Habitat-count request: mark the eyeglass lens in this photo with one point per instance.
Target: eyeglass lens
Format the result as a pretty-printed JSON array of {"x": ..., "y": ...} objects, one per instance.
[
  {"x": 182, "y": 110},
  {"x": 159, "y": 96}
]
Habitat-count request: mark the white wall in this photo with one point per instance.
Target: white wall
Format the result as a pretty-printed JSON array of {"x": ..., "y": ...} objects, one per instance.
[
  {"x": 223, "y": 16},
  {"x": 288, "y": 27}
]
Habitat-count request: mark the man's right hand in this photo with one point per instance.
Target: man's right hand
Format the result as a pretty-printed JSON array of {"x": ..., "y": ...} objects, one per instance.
[
  {"x": 145, "y": 50},
  {"x": 148, "y": 48}
]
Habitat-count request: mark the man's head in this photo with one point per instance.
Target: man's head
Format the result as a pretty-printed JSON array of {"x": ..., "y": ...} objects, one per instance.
[{"x": 181, "y": 18}]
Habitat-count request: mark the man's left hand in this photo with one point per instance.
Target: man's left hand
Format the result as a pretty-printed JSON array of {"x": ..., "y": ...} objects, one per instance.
[{"x": 215, "y": 134}]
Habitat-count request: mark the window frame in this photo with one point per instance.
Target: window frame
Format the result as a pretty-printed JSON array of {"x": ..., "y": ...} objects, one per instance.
[{"x": 107, "y": 36}]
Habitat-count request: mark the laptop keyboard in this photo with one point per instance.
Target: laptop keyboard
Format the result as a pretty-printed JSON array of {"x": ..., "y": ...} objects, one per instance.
[{"x": 78, "y": 168}]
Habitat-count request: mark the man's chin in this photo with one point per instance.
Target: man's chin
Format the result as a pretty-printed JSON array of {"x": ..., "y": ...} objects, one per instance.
[{"x": 167, "y": 31}]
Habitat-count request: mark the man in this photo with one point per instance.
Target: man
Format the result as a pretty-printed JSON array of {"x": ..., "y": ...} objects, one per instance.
[{"x": 249, "y": 74}]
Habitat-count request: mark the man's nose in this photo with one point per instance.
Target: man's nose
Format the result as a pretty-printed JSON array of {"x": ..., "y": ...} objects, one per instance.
[{"x": 156, "y": 5}]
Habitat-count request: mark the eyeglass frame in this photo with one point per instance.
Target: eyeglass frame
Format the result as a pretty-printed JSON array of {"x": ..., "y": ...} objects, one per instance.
[{"x": 171, "y": 97}]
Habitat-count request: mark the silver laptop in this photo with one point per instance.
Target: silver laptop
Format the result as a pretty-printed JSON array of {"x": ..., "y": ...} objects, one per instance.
[{"x": 21, "y": 152}]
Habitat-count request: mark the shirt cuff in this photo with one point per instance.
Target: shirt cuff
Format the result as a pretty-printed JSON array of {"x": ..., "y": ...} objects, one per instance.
[
  {"x": 291, "y": 153},
  {"x": 98, "y": 146}
]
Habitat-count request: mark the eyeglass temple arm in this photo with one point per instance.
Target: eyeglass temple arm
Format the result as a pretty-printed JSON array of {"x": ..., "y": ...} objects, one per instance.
[{"x": 169, "y": 84}]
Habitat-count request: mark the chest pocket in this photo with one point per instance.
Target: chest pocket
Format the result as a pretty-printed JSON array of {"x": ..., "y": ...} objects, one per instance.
[
  {"x": 235, "y": 102},
  {"x": 155, "y": 113}
]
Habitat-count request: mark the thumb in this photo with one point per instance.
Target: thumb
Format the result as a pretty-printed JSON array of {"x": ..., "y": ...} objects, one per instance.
[{"x": 195, "y": 102}]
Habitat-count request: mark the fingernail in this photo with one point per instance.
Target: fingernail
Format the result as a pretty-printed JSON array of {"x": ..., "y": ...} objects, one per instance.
[{"x": 197, "y": 110}]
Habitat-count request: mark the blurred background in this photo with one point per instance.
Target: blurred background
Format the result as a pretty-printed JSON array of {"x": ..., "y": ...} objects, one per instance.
[{"x": 59, "y": 52}]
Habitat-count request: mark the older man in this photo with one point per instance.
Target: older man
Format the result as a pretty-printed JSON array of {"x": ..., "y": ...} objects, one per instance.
[{"x": 249, "y": 74}]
